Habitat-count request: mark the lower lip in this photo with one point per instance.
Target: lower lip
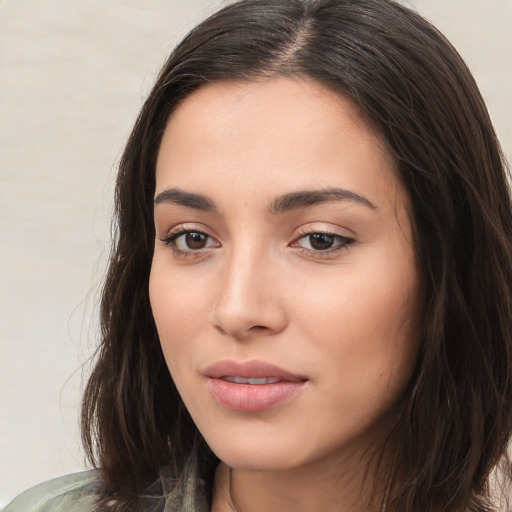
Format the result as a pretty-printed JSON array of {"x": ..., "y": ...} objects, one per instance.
[{"x": 252, "y": 397}]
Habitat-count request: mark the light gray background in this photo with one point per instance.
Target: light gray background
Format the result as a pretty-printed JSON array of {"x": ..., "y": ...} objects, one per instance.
[{"x": 73, "y": 75}]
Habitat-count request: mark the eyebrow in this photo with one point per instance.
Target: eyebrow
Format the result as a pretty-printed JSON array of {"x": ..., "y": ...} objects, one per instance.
[
  {"x": 178, "y": 196},
  {"x": 284, "y": 203},
  {"x": 305, "y": 198}
]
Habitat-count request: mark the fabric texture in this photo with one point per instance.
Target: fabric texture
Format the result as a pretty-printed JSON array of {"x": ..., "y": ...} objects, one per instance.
[
  {"x": 74, "y": 493},
  {"x": 79, "y": 492}
]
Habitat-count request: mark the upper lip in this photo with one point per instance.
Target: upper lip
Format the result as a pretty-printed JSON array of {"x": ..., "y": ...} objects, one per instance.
[{"x": 250, "y": 369}]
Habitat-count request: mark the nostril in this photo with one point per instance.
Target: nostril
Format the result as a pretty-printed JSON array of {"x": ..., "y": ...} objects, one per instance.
[
  {"x": 249, "y": 316},
  {"x": 220, "y": 329}
]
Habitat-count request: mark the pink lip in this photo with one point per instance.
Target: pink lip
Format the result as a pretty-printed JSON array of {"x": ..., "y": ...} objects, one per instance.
[{"x": 251, "y": 397}]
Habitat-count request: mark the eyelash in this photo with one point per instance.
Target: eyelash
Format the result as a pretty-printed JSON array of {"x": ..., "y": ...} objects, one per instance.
[
  {"x": 342, "y": 242},
  {"x": 170, "y": 241}
]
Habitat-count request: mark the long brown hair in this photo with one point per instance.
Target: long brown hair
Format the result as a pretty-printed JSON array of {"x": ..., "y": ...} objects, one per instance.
[{"x": 406, "y": 79}]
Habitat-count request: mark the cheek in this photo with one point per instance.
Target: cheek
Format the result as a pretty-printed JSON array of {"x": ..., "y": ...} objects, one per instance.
[
  {"x": 364, "y": 323},
  {"x": 177, "y": 308},
  {"x": 367, "y": 304},
  {"x": 178, "y": 296},
  {"x": 176, "y": 311}
]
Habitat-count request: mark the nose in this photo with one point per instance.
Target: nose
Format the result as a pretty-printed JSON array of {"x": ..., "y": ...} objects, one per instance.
[{"x": 249, "y": 300}]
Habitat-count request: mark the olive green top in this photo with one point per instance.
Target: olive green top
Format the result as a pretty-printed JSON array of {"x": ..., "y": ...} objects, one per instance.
[
  {"x": 79, "y": 492},
  {"x": 76, "y": 493}
]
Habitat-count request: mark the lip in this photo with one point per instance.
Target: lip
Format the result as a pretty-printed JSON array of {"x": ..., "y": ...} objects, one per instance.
[{"x": 245, "y": 397}]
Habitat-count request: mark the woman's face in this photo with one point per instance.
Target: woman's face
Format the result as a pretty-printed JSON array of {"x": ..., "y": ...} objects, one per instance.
[{"x": 284, "y": 282}]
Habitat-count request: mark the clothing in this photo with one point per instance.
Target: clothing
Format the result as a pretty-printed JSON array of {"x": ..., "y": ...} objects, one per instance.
[
  {"x": 78, "y": 492},
  {"x": 74, "y": 493}
]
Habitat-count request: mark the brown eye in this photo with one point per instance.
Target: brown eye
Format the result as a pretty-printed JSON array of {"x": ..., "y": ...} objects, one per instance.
[
  {"x": 321, "y": 241},
  {"x": 188, "y": 242},
  {"x": 318, "y": 242},
  {"x": 195, "y": 240}
]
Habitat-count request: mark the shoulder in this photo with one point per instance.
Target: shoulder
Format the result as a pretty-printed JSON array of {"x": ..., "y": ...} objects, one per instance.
[{"x": 71, "y": 493}]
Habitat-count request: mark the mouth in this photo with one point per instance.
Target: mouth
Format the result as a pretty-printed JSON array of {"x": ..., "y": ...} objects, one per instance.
[
  {"x": 252, "y": 386},
  {"x": 255, "y": 380}
]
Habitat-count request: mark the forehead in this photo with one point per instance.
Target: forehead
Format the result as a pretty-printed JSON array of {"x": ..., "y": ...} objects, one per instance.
[
  {"x": 287, "y": 132},
  {"x": 276, "y": 102}
]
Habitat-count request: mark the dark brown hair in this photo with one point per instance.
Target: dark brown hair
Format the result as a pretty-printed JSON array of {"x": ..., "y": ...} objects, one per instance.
[{"x": 409, "y": 82}]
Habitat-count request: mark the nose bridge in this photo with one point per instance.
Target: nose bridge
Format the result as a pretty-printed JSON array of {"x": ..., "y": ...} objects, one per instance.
[
  {"x": 247, "y": 296},
  {"x": 240, "y": 273}
]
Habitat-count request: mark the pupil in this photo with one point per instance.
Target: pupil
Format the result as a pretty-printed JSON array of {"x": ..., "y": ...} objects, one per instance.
[
  {"x": 321, "y": 241},
  {"x": 195, "y": 240}
]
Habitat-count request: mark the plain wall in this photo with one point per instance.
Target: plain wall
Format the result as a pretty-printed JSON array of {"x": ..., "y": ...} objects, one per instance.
[{"x": 73, "y": 75}]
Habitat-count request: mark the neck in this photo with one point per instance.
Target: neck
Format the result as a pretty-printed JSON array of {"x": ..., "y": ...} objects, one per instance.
[{"x": 329, "y": 486}]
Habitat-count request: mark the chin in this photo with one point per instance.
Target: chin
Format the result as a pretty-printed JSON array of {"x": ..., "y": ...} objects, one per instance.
[
  {"x": 258, "y": 460},
  {"x": 250, "y": 453},
  {"x": 261, "y": 446}
]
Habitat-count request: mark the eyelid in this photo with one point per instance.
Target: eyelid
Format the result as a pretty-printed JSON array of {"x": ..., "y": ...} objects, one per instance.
[
  {"x": 310, "y": 229},
  {"x": 188, "y": 227},
  {"x": 326, "y": 228},
  {"x": 181, "y": 229}
]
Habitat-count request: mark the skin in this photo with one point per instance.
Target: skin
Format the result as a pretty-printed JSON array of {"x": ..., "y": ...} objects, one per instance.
[{"x": 256, "y": 286}]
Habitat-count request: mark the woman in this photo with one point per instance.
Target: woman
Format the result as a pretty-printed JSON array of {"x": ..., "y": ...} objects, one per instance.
[{"x": 308, "y": 306}]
